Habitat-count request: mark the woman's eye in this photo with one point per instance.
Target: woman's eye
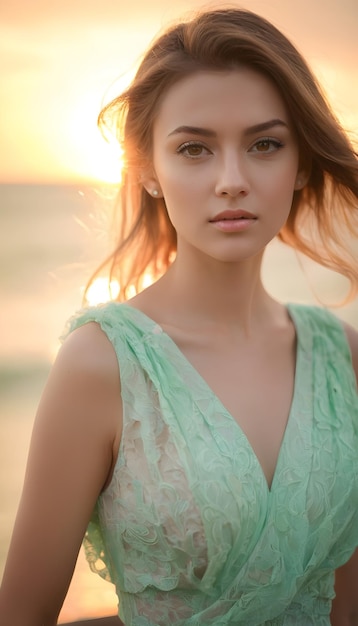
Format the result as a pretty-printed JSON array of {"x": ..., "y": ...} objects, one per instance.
[
  {"x": 267, "y": 145},
  {"x": 192, "y": 150}
]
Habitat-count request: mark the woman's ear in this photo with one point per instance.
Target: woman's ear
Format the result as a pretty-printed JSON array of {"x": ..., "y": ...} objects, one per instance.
[
  {"x": 301, "y": 179},
  {"x": 304, "y": 171},
  {"x": 150, "y": 182}
]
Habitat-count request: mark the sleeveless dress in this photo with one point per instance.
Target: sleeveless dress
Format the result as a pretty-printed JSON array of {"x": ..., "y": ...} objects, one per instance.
[{"x": 188, "y": 530}]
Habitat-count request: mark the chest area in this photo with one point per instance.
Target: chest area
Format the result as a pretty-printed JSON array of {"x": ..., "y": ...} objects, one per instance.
[
  {"x": 253, "y": 381},
  {"x": 195, "y": 488}
]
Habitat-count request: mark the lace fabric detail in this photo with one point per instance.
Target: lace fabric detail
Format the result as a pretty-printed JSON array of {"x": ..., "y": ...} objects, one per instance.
[{"x": 188, "y": 530}]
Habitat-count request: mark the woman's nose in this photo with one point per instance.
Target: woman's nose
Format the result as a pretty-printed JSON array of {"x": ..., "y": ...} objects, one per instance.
[{"x": 232, "y": 178}]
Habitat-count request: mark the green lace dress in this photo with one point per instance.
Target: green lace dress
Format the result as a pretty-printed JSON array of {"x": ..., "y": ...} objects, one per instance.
[{"x": 188, "y": 530}]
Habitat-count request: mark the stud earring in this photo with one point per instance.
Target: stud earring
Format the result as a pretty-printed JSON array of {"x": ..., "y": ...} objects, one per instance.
[{"x": 155, "y": 192}]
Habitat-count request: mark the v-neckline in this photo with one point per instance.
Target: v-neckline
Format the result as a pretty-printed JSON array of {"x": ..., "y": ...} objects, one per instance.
[{"x": 156, "y": 327}]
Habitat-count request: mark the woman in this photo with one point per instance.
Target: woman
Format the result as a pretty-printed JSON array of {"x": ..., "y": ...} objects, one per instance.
[{"x": 206, "y": 434}]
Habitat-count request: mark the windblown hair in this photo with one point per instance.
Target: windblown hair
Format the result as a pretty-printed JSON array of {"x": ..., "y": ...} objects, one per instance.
[{"x": 323, "y": 214}]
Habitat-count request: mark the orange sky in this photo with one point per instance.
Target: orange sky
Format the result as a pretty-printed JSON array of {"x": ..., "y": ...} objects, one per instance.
[{"x": 59, "y": 58}]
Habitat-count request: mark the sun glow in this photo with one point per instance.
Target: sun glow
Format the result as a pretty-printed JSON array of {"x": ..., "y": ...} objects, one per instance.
[
  {"x": 337, "y": 84},
  {"x": 107, "y": 163},
  {"x": 94, "y": 155},
  {"x": 98, "y": 154},
  {"x": 102, "y": 291}
]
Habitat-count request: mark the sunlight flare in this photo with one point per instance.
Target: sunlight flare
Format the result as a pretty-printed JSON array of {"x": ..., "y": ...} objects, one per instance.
[{"x": 102, "y": 291}]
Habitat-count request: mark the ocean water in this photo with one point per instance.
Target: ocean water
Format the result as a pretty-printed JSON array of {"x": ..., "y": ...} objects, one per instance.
[{"x": 51, "y": 238}]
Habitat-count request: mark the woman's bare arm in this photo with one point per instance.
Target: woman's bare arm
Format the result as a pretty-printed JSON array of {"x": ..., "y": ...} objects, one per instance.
[
  {"x": 73, "y": 446},
  {"x": 352, "y": 336},
  {"x": 345, "y": 604}
]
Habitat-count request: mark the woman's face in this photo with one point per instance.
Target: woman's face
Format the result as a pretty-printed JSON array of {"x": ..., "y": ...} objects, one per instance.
[{"x": 226, "y": 161}]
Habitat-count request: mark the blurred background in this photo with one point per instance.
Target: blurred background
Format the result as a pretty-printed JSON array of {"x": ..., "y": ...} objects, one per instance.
[{"x": 60, "y": 61}]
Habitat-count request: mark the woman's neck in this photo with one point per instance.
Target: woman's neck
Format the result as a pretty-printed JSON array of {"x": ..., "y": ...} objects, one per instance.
[{"x": 210, "y": 294}]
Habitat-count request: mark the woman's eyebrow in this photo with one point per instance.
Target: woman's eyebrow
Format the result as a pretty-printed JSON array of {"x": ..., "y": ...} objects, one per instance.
[
  {"x": 206, "y": 132},
  {"x": 193, "y": 130},
  {"x": 258, "y": 128}
]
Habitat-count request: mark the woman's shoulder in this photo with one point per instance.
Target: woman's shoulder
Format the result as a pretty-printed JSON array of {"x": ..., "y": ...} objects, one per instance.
[
  {"x": 107, "y": 338},
  {"x": 320, "y": 320},
  {"x": 331, "y": 333},
  {"x": 85, "y": 381},
  {"x": 104, "y": 314},
  {"x": 352, "y": 337},
  {"x": 85, "y": 347},
  {"x": 315, "y": 315}
]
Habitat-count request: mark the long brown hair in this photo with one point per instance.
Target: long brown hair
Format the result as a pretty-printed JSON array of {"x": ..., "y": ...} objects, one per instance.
[{"x": 323, "y": 214}]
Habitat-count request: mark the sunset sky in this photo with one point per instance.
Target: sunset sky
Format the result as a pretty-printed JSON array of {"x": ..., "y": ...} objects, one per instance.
[{"x": 59, "y": 59}]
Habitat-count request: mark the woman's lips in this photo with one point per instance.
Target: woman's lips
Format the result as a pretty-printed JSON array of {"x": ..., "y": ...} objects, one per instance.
[{"x": 233, "y": 221}]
